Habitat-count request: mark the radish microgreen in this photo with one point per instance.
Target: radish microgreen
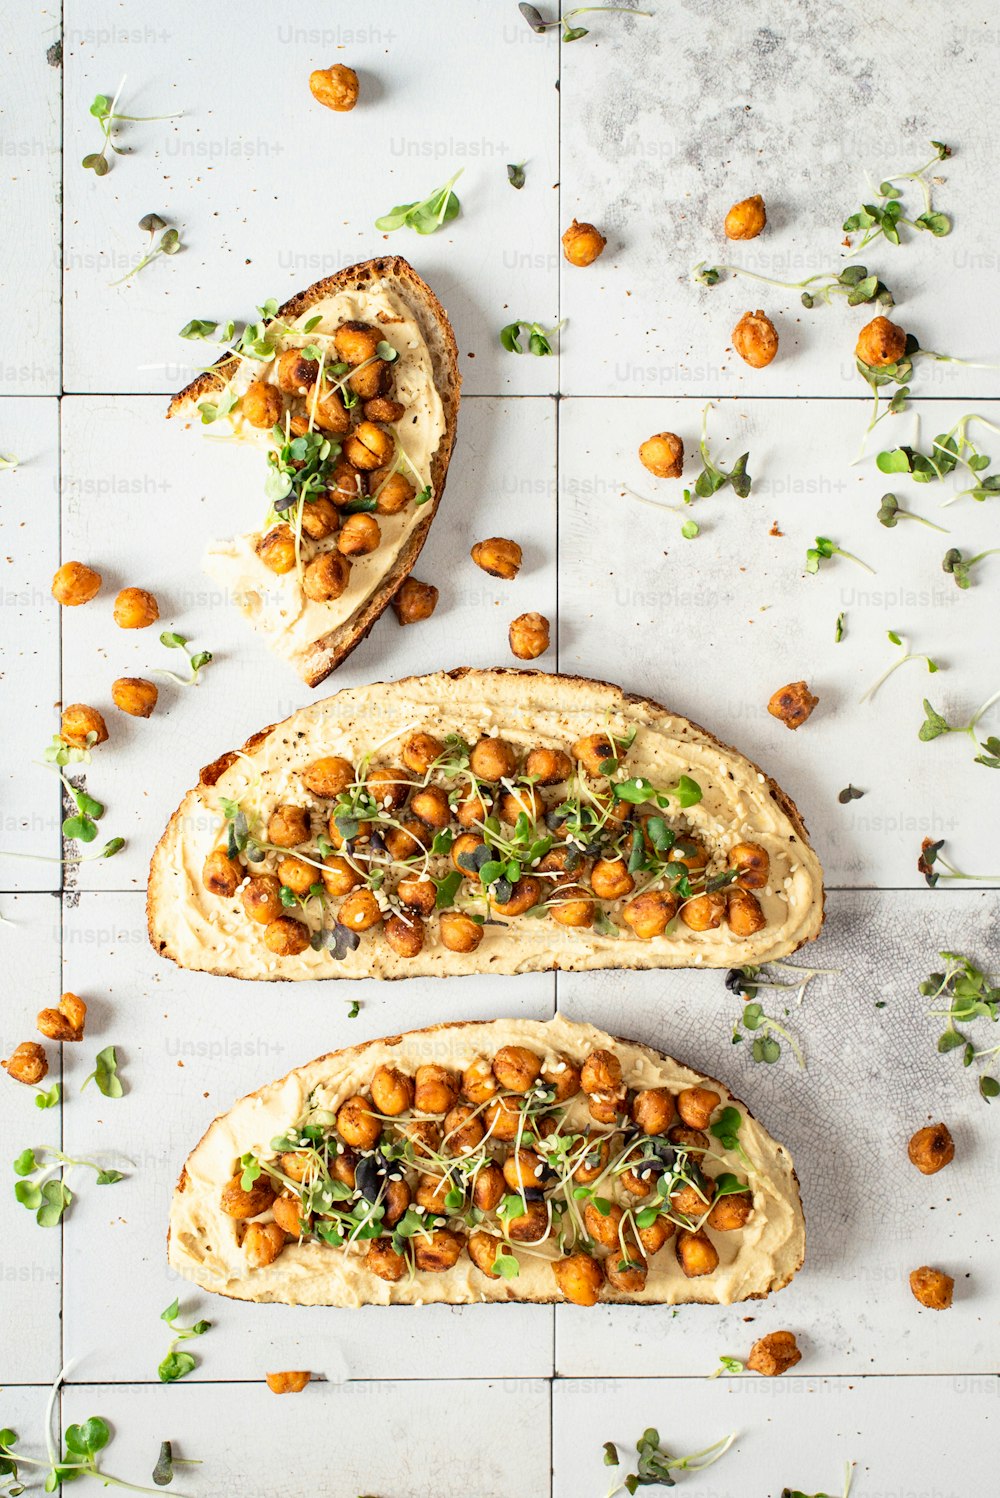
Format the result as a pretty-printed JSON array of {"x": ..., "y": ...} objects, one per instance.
[
  {"x": 848, "y": 1479},
  {"x": 960, "y": 568},
  {"x": 539, "y": 338},
  {"x": 935, "y": 725},
  {"x": 884, "y": 217},
  {"x": 105, "y": 1074},
  {"x": 105, "y": 112},
  {"x": 949, "y": 450},
  {"x": 967, "y": 994},
  {"x": 901, "y": 660},
  {"x": 177, "y": 1365},
  {"x": 890, "y": 512},
  {"x": 81, "y": 1458},
  {"x": 515, "y": 174},
  {"x": 48, "y": 1097},
  {"x": 41, "y": 1188},
  {"x": 930, "y": 859},
  {"x": 689, "y": 528},
  {"x": 427, "y": 216},
  {"x": 765, "y": 1046},
  {"x": 196, "y": 661},
  {"x": 823, "y": 550},
  {"x": 169, "y": 244},
  {"x": 728, "y": 1366},
  {"x": 713, "y": 477},
  {"x": 853, "y": 282},
  {"x": 655, "y": 1466},
  {"x": 570, "y": 33}
]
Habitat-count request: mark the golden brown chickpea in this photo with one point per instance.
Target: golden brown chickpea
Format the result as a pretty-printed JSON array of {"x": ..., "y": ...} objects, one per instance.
[
  {"x": 277, "y": 549},
  {"x": 528, "y": 636},
  {"x": 335, "y": 87},
  {"x": 465, "y": 847},
  {"x": 931, "y": 1149},
  {"x": 134, "y": 695},
  {"x": 291, "y": 1382},
  {"x": 774, "y": 1354},
  {"x": 368, "y": 447},
  {"x": 431, "y": 806},
  {"x": 483, "y": 1248},
  {"x": 690, "y": 1201},
  {"x": 297, "y": 1165},
  {"x": 696, "y": 1106},
  {"x": 431, "y": 1193},
  {"x": 530, "y": 1226},
  {"x": 663, "y": 455},
  {"x": 524, "y": 895},
  {"x": 579, "y": 1278},
  {"x": 222, "y": 875},
  {"x": 423, "y": 1134},
  {"x": 288, "y": 1215},
  {"x": 360, "y": 535},
  {"x": 463, "y": 1129},
  {"x": 594, "y": 1161},
  {"x": 603, "y": 1226},
  {"x": 326, "y": 577},
  {"x": 656, "y": 1235},
  {"x": 704, "y": 912},
  {"x": 626, "y": 1275},
  {"x": 370, "y": 383},
  {"x": 66, "y": 1021},
  {"x": 441, "y": 1250},
  {"x": 746, "y": 219},
  {"x": 582, "y": 243},
  {"x": 576, "y": 913},
  {"x": 493, "y": 758},
  {"x": 338, "y": 877},
  {"x": 135, "y": 609},
  {"x": 436, "y": 1089},
  {"x": 286, "y": 937},
  {"x": 516, "y": 1068},
  {"x": 417, "y": 894},
  {"x": 380, "y": 407},
  {"x": 356, "y": 341},
  {"x": 563, "y": 1075},
  {"x": 392, "y": 494},
  {"x": 523, "y": 1170},
  {"x": 638, "y": 1181},
  {"x": 420, "y": 751},
  {"x": 262, "y": 405},
  {"x": 610, "y": 879},
  {"x": 389, "y": 786},
  {"x": 473, "y": 809},
  {"x": 478, "y": 1082},
  {"x": 410, "y": 840},
  {"x": 653, "y": 1110},
  {"x": 395, "y": 1200},
  {"x": 346, "y": 484},
  {"x": 458, "y": 932},
  {"x": 743, "y": 912},
  {"x": 344, "y": 1167},
  {"x": 504, "y": 1119},
  {"x": 548, "y": 766},
  {"x": 242, "y": 1205},
  {"x": 689, "y": 1139},
  {"x": 294, "y": 372},
  {"x": 880, "y": 342},
  {"x": 415, "y": 601},
  {"x": 327, "y": 411},
  {"x": 523, "y": 800},
  {"x": 608, "y": 1107},
  {"x": 489, "y": 1188},
  {"x": 731, "y": 1212},
  {"x": 498, "y": 556},
  {"x": 75, "y": 583},
  {"x": 752, "y": 862},
  {"x": 357, "y": 1123},
  {"x": 405, "y": 935},
  {"x": 755, "y": 339},
  {"x": 696, "y": 1253},
  {"x": 262, "y": 898},
  {"x": 288, "y": 825},
  {"x": 328, "y": 776},
  {"x": 601, "y": 1072},
  {"x": 594, "y": 751},
  {"x": 792, "y": 704},
  {"x": 392, "y": 1091},
  {"x": 297, "y": 875},
  {"x": 650, "y": 914},
  {"x": 691, "y": 852},
  {"x": 320, "y": 518},
  {"x": 932, "y": 1287},
  {"x": 79, "y": 722},
  {"x": 262, "y": 1244},
  {"x": 27, "y": 1063},
  {"x": 383, "y": 1260},
  {"x": 360, "y": 911}
]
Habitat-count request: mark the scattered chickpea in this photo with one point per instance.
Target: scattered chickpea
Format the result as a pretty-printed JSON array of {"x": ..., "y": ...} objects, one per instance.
[
  {"x": 320, "y": 518},
  {"x": 356, "y": 341},
  {"x": 753, "y": 863},
  {"x": 336, "y": 87},
  {"x": 78, "y": 723},
  {"x": 135, "y": 608},
  {"x": 286, "y": 937},
  {"x": 498, "y": 556},
  {"x": 593, "y": 751},
  {"x": 358, "y": 1124},
  {"x": 75, "y": 583},
  {"x": 27, "y": 1063},
  {"x": 696, "y": 1254},
  {"x": 746, "y": 219},
  {"x": 881, "y": 342},
  {"x": 368, "y": 447},
  {"x": 261, "y": 899},
  {"x": 262, "y": 405},
  {"x": 244, "y": 1204},
  {"x": 653, "y": 1110},
  {"x": 650, "y": 914},
  {"x": 516, "y": 1068},
  {"x": 66, "y": 1021},
  {"x": 392, "y": 494},
  {"x": 731, "y": 1212},
  {"x": 582, "y": 243},
  {"x": 579, "y": 1278},
  {"x": 932, "y": 1287},
  {"x": 288, "y": 825},
  {"x": 548, "y": 766},
  {"x": 360, "y": 535},
  {"x": 663, "y": 455},
  {"x": 277, "y": 549},
  {"x": 529, "y": 636},
  {"x": 326, "y": 577},
  {"x": 755, "y": 339},
  {"x": 744, "y": 913},
  {"x": 601, "y": 1072},
  {"x": 134, "y": 695},
  {"x": 439, "y": 1252},
  {"x": 222, "y": 875},
  {"x": 774, "y": 1354},
  {"x": 294, "y": 372},
  {"x": 931, "y": 1149},
  {"x": 297, "y": 875},
  {"x": 492, "y": 758},
  {"x": 383, "y": 1260},
  {"x": 405, "y": 935},
  {"x": 415, "y": 601},
  {"x": 695, "y": 1105},
  {"x": 436, "y": 1089},
  {"x": 382, "y": 407},
  {"x": 792, "y": 704},
  {"x": 262, "y": 1244},
  {"x": 287, "y": 1383}
]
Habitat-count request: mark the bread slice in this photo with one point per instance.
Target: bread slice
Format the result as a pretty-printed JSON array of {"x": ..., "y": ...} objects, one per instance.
[
  {"x": 317, "y": 658},
  {"x": 758, "y": 1246},
  {"x": 732, "y": 803}
]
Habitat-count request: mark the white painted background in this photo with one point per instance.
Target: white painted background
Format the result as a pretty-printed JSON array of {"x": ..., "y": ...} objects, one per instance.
[{"x": 656, "y": 127}]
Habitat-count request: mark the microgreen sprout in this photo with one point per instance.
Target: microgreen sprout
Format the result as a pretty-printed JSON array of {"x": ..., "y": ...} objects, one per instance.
[
  {"x": 960, "y": 568},
  {"x": 105, "y": 1074},
  {"x": 745, "y": 981},
  {"x": 539, "y": 338},
  {"x": 884, "y": 217},
  {"x": 765, "y": 1046},
  {"x": 823, "y": 550},
  {"x": 935, "y": 725},
  {"x": 689, "y": 528},
  {"x": 176, "y": 1364},
  {"x": 713, "y": 476},
  {"x": 932, "y": 861},
  {"x": 81, "y": 1458},
  {"x": 901, "y": 660},
  {"x": 890, "y": 512},
  {"x": 839, "y": 628},
  {"x": 655, "y": 1466},
  {"x": 515, "y": 174},
  {"x": 48, "y": 1097},
  {"x": 949, "y": 451},
  {"x": 899, "y": 374},
  {"x": 196, "y": 661},
  {"x": 81, "y": 826},
  {"x": 41, "y": 1187},
  {"x": 105, "y": 112},
  {"x": 572, "y": 33},
  {"x": 169, "y": 243},
  {"x": 967, "y": 994},
  {"x": 853, "y": 282},
  {"x": 729, "y": 1366},
  {"x": 848, "y": 1480},
  {"x": 427, "y": 216}
]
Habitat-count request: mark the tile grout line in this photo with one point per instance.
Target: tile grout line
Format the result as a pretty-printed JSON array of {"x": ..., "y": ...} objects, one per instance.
[{"x": 59, "y": 551}]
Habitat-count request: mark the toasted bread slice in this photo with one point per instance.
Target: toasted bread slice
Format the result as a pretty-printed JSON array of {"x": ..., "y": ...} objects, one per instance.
[
  {"x": 739, "y": 1236},
  {"x": 637, "y": 841},
  {"x": 389, "y": 283}
]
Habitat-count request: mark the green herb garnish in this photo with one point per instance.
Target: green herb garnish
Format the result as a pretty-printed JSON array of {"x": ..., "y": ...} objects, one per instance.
[
  {"x": 890, "y": 512},
  {"x": 196, "y": 661},
  {"x": 105, "y": 112},
  {"x": 853, "y": 282},
  {"x": 713, "y": 477},
  {"x": 105, "y": 1074},
  {"x": 884, "y": 217},
  {"x": 901, "y": 660},
  {"x": 655, "y": 1466},
  {"x": 960, "y": 568},
  {"x": 539, "y": 338},
  {"x": 44, "y": 1192},
  {"x": 427, "y": 216},
  {"x": 176, "y": 1364},
  {"x": 824, "y": 549}
]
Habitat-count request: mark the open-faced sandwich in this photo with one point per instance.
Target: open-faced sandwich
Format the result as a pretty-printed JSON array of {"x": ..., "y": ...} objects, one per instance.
[
  {"x": 351, "y": 389},
  {"x": 511, "y": 1160},
  {"x": 481, "y": 821}
]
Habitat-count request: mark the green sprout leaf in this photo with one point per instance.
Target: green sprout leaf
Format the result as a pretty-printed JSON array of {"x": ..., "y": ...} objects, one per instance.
[
  {"x": 105, "y": 1074},
  {"x": 427, "y": 216}
]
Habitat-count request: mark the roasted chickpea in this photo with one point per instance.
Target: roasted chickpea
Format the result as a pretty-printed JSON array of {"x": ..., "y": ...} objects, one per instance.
[
  {"x": 392, "y": 1090},
  {"x": 380, "y": 407},
  {"x": 792, "y": 704},
  {"x": 483, "y": 1249},
  {"x": 288, "y": 1215},
  {"x": 395, "y": 1200},
  {"x": 650, "y": 914},
  {"x": 327, "y": 411},
  {"x": 356, "y": 341},
  {"x": 659, "y": 1232},
  {"x": 465, "y": 847},
  {"x": 423, "y": 1134},
  {"x": 436, "y": 1089},
  {"x": 638, "y": 1180},
  {"x": 288, "y": 825},
  {"x": 689, "y": 1139},
  {"x": 691, "y": 852},
  {"x": 582, "y": 243},
  {"x": 294, "y": 372},
  {"x": 286, "y": 937},
  {"x": 338, "y": 877},
  {"x": 360, "y": 535},
  {"x": 603, "y": 1227},
  {"x": 368, "y": 447},
  {"x": 392, "y": 491},
  {"x": 689, "y": 1200},
  {"x": 610, "y": 879},
  {"x": 478, "y": 1081},
  {"x": 344, "y": 1167},
  {"x": 579, "y": 1278},
  {"x": 243, "y": 1205},
  {"x": 931, "y": 1149},
  {"x": 523, "y": 1170},
  {"x": 516, "y": 1068},
  {"x": 563, "y": 1076},
  {"x": 548, "y": 766},
  {"x": 743, "y": 912},
  {"x": 608, "y": 1107},
  {"x": 417, "y": 894},
  {"x": 576, "y": 913},
  {"x": 498, "y": 556},
  {"x": 135, "y": 608},
  {"x": 523, "y": 799},
  {"x": 431, "y": 805},
  {"x": 357, "y": 1123},
  {"x": 346, "y": 484},
  {"x": 383, "y": 1260},
  {"x": 262, "y": 1243},
  {"x": 405, "y": 935},
  {"x": 533, "y": 1225},
  {"x": 932, "y": 1287},
  {"x": 27, "y": 1063},
  {"x": 297, "y": 1165},
  {"x": 489, "y": 1187},
  {"x": 525, "y": 894},
  {"x": 463, "y": 1129},
  {"x": 297, "y": 875},
  {"x": 593, "y": 751},
  {"x": 663, "y": 455},
  {"x": 704, "y": 912},
  {"x": 320, "y": 517},
  {"x": 594, "y": 1161},
  {"x": 439, "y": 1251},
  {"x": 492, "y": 759},
  {"x": 880, "y": 342},
  {"x": 528, "y": 636},
  {"x": 458, "y": 932},
  {"x": 746, "y": 219},
  {"x": 335, "y": 87},
  {"x": 653, "y": 1110},
  {"x": 415, "y": 601},
  {"x": 389, "y": 786},
  {"x": 328, "y": 776},
  {"x": 326, "y": 577},
  {"x": 473, "y": 809},
  {"x": 262, "y": 405},
  {"x": 82, "y": 726},
  {"x": 420, "y": 751},
  {"x": 431, "y": 1192},
  {"x": 627, "y": 1275},
  {"x": 753, "y": 863},
  {"x": 75, "y": 583},
  {"x": 291, "y": 1382},
  {"x": 262, "y": 898},
  {"x": 134, "y": 695},
  {"x": 370, "y": 382},
  {"x": 66, "y": 1021},
  {"x": 504, "y": 1119},
  {"x": 696, "y": 1106},
  {"x": 696, "y": 1253},
  {"x": 601, "y": 1072},
  {"x": 755, "y": 339},
  {"x": 222, "y": 875},
  {"x": 277, "y": 549},
  {"x": 731, "y": 1212},
  {"x": 774, "y": 1354},
  {"x": 360, "y": 911}
]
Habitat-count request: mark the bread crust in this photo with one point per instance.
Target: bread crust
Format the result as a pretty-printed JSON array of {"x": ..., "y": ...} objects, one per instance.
[{"x": 327, "y": 652}]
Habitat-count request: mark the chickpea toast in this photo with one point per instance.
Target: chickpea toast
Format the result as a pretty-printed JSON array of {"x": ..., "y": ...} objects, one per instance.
[
  {"x": 515, "y": 1160},
  {"x": 351, "y": 389},
  {"x": 481, "y": 821}
]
